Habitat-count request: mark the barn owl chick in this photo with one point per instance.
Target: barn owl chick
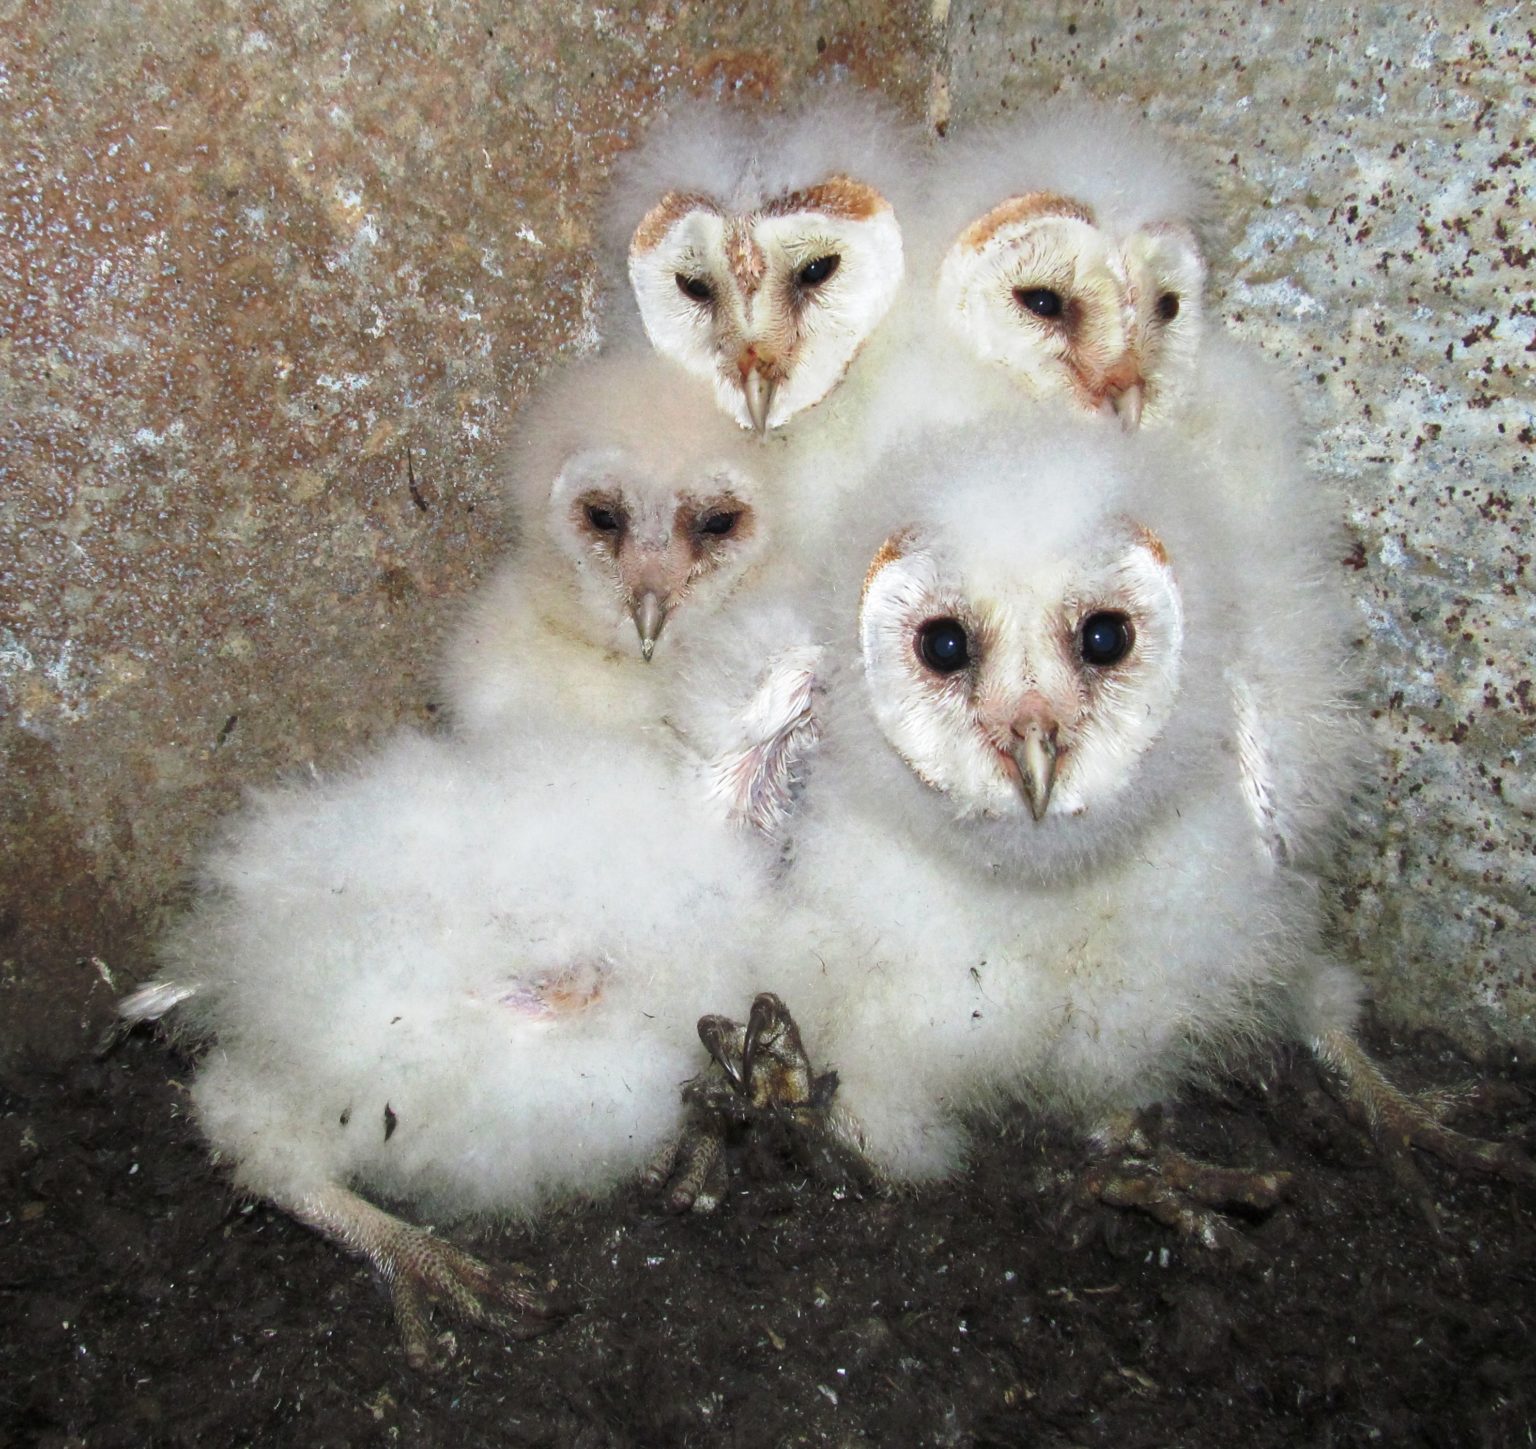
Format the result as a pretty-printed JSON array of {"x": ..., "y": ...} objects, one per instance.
[
  {"x": 461, "y": 976},
  {"x": 1023, "y": 799},
  {"x": 1071, "y": 259},
  {"x": 764, "y": 250},
  {"x": 1026, "y": 839},
  {"x": 639, "y": 512}
]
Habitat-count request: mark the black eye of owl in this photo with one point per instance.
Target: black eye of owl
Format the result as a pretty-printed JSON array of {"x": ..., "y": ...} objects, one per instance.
[
  {"x": 813, "y": 274},
  {"x": 695, "y": 287},
  {"x": 943, "y": 646},
  {"x": 604, "y": 520},
  {"x": 1040, "y": 300},
  {"x": 1104, "y": 639},
  {"x": 719, "y": 524},
  {"x": 1168, "y": 306}
]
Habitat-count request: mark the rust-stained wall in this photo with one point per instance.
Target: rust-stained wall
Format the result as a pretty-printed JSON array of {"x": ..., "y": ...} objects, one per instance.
[{"x": 273, "y": 279}]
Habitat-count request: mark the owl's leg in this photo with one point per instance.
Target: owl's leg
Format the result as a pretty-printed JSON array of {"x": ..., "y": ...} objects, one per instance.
[
  {"x": 421, "y": 1270},
  {"x": 692, "y": 1165},
  {"x": 1399, "y": 1122},
  {"x": 1180, "y": 1192},
  {"x": 764, "y": 1077}
]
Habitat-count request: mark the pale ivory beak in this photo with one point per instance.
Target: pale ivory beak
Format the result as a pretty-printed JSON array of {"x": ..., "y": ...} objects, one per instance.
[
  {"x": 1128, "y": 404},
  {"x": 650, "y": 614},
  {"x": 759, "y": 391},
  {"x": 1034, "y": 752}
]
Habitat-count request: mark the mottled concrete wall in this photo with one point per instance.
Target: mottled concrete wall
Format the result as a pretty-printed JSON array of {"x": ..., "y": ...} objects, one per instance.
[
  {"x": 273, "y": 278},
  {"x": 1376, "y": 164}
]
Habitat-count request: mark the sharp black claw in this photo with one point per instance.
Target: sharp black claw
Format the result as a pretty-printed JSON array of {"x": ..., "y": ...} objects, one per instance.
[
  {"x": 720, "y": 1036},
  {"x": 770, "y": 1027}
]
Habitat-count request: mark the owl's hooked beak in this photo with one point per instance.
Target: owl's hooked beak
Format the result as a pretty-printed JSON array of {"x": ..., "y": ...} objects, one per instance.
[
  {"x": 1034, "y": 751},
  {"x": 759, "y": 392},
  {"x": 1128, "y": 404},
  {"x": 649, "y": 614},
  {"x": 1123, "y": 393},
  {"x": 757, "y": 386}
]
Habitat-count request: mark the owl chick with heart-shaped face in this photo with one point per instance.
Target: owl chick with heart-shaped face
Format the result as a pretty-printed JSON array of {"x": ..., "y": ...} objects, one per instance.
[
  {"x": 1025, "y": 815},
  {"x": 1064, "y": 249},
  {"x": 640, "y": 512},
  {"x": 652, "y": 590},
  {"x": 1027, "y": 861},
  {"x": 763, "y": 251}
]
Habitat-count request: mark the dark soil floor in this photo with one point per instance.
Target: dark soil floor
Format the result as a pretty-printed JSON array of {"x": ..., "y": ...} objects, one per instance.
[{"x": 142, "y": 1305}]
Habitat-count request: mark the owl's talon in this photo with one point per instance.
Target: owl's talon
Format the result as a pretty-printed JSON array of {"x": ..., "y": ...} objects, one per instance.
[
  {"x": 776, "y": 1070},
  {"x": 1398, "y": 1121},
  {"x": 1178, "y": 1191},
  {"x": 725, "y": 1041},
  {"x": 765, "y": 1078},
  {"x": 423, "y": 1270}
]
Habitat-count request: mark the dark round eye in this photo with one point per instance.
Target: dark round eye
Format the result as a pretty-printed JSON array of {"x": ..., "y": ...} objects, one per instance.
[
  {"x": 604, "y": 520},
  {"x": 718, "y": 524},
  {"x": 1040, "y": 300},
  {"x": 695, "y": 287},
  {"x": 942, "y": 645},
  {"x": 1168, "y": 306},
  {"x": 813, "y": 274},
  {"x": 1104, "y": 639}
]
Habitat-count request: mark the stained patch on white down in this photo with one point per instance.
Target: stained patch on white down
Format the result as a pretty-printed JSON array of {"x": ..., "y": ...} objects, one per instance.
[{"x": 547, "y": 995}]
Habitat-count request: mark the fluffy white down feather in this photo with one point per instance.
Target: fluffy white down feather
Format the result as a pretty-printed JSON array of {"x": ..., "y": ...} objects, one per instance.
[
  {"x": 395, "y": 969},
  {"x": 1103, "y": 155}
]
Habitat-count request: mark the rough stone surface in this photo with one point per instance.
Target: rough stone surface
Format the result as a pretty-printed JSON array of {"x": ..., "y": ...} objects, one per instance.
[
  {"x": 273, "y": 279},
  {"x": 1374, "y": 163}
]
